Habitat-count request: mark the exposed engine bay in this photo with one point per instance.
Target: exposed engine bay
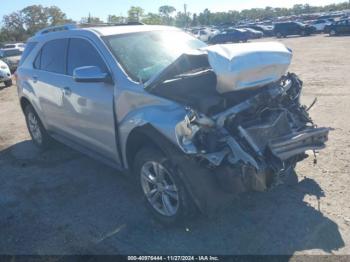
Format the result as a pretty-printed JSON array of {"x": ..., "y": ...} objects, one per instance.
[{"x": 249, "y": 131}]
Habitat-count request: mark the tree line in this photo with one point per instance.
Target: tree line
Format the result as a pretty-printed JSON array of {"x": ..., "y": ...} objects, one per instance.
[{"x": 19, "y": 25}]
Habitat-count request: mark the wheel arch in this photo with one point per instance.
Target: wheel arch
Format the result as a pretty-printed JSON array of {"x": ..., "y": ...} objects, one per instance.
[
  {"x": 199, "y": 181},
  {"x": 142, "y": 136},
  {"x": 24, "y": 102}
]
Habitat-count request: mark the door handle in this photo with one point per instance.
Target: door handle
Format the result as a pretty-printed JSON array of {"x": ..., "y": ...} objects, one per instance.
[{"x": 66, "y": 91}]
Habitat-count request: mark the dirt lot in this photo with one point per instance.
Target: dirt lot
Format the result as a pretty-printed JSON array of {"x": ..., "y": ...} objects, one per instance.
[{"x": 62, "y": 202}]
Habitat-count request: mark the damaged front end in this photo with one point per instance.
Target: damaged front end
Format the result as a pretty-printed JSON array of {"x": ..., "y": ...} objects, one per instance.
[
  {"x": 253, "y": 144},
  {"x": 244, "y": 118}
]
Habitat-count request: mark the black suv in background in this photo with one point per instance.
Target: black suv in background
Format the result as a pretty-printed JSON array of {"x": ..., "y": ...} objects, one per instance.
[
  {"x": 341, "y": 27},
  {"x": 292, "y": 28}
]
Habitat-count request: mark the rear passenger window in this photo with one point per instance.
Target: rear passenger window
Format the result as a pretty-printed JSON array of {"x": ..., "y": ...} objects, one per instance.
[
  {"x": 82, "y": 53},
  {"x": 53, "y": 56}
]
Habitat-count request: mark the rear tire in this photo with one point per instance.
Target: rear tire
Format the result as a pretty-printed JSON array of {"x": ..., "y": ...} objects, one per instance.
[
  {"x": 8, "y": 83},
  {"x": 37, "y": 131},
  {"x": 164, "y": 192},
  {"x": 332, "y": 33}
]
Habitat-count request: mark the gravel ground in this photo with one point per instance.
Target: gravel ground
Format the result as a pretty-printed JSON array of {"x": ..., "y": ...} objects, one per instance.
[{"x": 62, "y": 202}]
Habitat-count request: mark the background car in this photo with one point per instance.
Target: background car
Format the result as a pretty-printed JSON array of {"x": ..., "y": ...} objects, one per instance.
[
  {"x": 5, "y": 74},
  {"x": 203, "y": 35},
  {"x": 230, "y": 35},
  {"x": 292, "y": 28},
  {"x": 252, "y": 33},
  {"x": 341, "y": 27},
  {"x": 20, "y": 46},
  {"x": 11, "y": 57},
  {"x": 265, "y": 29},
  {"x": 320, "y": 24}
]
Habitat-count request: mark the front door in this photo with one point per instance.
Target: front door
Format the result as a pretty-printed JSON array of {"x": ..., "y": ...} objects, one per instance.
[{"x": 89, "y": 106}]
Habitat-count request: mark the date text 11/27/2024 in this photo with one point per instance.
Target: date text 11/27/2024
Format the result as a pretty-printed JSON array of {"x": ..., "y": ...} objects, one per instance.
[{"x": 173, "y": 258}]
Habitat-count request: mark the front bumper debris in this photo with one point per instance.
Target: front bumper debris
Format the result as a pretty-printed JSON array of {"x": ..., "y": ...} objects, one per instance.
[{"x": 296, "y": 143}]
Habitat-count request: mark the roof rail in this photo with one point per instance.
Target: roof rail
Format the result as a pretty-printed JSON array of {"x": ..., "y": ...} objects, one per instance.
[
  {"x": 56, "y": 28},
  {"x": 75, "y": 26},
  {"x": 109, "y": 24}
]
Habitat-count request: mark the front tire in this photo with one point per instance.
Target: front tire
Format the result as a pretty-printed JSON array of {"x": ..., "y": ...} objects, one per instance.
[
  {"x": 8, "y": 83},
  {"x": 163, "y": 190},
  {"x": 332, "y": 32},
  {"x": 37, "y": 131}
]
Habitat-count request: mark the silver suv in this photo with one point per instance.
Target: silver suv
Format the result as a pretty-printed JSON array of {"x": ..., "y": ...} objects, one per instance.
[{"x": 194, "y": 124}]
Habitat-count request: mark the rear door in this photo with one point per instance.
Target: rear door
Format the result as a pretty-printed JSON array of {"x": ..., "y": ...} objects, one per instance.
[
  {"x": 89, "y": 106},
  {"x": 47, "y": 80}
]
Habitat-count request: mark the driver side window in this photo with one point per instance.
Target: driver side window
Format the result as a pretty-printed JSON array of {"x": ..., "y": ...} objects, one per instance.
[{"x": 82, "y": 53}]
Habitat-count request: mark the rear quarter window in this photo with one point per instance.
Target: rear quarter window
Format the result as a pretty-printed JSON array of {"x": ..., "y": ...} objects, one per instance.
[{"x": 29, "y": 48}]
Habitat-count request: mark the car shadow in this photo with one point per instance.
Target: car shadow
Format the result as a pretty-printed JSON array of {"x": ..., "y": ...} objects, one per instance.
[
  {"x": 62, "y": 202},
  {"x": 297, "y": 36},
  {"x": 337, "y": 36}
]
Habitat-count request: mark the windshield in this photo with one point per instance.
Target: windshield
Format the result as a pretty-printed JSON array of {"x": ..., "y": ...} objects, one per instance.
[{"x": 143, "y": 55}]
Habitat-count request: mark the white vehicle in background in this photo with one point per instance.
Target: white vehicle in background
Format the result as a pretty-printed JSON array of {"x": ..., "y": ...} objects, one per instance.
[
  {"x": 19, "y": 46},
  {"x": 5, "y": 74},
  {"x": 205, "y": 34},
  {"x": 320, "y": 24},
  {"x": 11, "y": 56}
]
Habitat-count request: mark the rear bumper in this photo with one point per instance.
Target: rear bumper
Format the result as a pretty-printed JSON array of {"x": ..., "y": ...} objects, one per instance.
[{"x": 296, "y": 143}]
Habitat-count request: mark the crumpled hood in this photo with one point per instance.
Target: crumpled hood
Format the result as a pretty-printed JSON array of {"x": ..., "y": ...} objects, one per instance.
[
  {"x": 184, "y": 63},
  {"x": 237, "y": 66},
  {"x": 244, "y": 66}
]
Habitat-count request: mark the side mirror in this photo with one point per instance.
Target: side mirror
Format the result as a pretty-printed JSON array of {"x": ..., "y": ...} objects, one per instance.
[{"x": 90, "y": 74}]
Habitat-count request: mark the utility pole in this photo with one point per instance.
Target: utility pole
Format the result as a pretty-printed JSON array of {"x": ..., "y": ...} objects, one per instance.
[{"x": 185, "y": 10}]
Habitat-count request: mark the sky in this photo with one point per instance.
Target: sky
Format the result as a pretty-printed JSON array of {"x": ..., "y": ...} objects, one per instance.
[{"x": 102, "y": 8}]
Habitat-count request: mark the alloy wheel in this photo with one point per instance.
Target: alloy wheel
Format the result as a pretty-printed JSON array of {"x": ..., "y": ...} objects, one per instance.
[
  {"x": 34, "y": 127},
  {"x": 159, "y": 188}
]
